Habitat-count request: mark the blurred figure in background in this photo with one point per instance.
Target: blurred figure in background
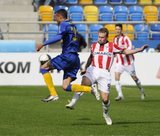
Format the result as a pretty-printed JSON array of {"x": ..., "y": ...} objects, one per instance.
[
  {"x": 82, "y": 42},
  {"x": 57, "y": 2},
  {"x": 47, "y": 2},
  {"x": 157, "y": 49}
]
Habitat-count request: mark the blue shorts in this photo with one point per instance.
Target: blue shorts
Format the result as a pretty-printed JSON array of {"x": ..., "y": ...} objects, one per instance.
[{"x": 69, "y": 63}]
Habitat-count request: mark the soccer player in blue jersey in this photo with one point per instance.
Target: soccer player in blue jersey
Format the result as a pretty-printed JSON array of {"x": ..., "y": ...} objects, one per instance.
[{"x": 68, "y": 61}]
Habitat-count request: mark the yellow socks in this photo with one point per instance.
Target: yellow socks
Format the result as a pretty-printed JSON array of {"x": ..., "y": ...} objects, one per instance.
[
  {"x": 49, "y": 83},
  {"x": 80, "y": 88}
]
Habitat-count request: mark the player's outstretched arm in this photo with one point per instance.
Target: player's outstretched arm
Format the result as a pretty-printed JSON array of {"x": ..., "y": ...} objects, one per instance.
[
  {"x": 127, "y": 52},
  {"x": 52, "y": 40},
  {"x": 39, "y": 46}
]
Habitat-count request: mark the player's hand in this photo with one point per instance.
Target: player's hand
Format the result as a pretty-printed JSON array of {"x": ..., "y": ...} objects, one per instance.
[
  {"x": 144, "y": 47},
  {"x": 39, "y": 46},
  {"x": 83, "y": 72}
]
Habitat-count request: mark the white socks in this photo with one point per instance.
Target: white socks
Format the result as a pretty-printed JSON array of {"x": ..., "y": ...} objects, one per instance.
[
  {"x": 139, "y": 85},
  {"x": 118, "y": 88},
  {"x": 106, "y": 107},
  {"x": 76, "y": 96}
]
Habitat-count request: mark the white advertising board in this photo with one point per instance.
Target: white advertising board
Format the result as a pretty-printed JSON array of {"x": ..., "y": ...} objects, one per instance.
[{"x": 24, "y": 69}]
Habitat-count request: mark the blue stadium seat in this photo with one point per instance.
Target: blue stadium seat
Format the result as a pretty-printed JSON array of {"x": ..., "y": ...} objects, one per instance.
[
  {"x": 130, "y": 2},
  {"x": 159, "y": 13},
  {"x": 100, "y": 2},
  {"x": 144, "y": 34},
  {"x": 71, "y": 2},
  {"x": 136, "y": 13},
  {"x": 121, "y": 13},
  {"x": 82, "y": 28},
  {"x": 76, "y": 13},
  {"x": 17, "y": 46},
  {"x": 94, "y": 28},
  {"x": 106, "y": 13},
  {"x": 51, "y": 28},
  {"x": 58, "y": 7},
  {"x": 155, "y": 28},
  {"x": 115, "y": 1}
]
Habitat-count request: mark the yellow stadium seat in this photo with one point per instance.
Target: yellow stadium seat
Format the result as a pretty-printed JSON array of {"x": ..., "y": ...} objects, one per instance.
[
  {"x": 91, "y": 13},
  {"x": 150, "y": 13},
  {"x": 111, "y": 28},
  {"x": 156, "y": 2},
  {"x": 84, "y": 2},
  {"x": 46, "y": 13},
  {"x": 144, "y": 2},
  {"x": 129, "y": 29}
]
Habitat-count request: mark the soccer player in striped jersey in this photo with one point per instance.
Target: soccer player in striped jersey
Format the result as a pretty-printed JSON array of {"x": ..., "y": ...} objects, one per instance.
[
  {"x": 124, "y": 62},
  {"x": 101, "y": 59}
]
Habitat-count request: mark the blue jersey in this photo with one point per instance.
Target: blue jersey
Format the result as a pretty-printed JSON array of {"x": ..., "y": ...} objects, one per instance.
[{"x": 69, "y": 36}]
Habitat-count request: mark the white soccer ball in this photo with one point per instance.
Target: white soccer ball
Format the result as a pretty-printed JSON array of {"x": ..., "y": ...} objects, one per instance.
[{"x": 44, "y": 58}]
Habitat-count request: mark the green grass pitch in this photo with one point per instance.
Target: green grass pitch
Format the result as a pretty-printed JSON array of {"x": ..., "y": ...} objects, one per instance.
[{"x": 23, "y": 113}]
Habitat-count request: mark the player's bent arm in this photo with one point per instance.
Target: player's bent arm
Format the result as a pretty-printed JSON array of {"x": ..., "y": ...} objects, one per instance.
[
  {"x": 127, "y": 52},
  {"x": 89, "y": 61}
]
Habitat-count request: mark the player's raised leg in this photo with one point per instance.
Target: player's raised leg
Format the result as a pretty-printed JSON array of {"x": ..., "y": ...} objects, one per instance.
[
  {"x": 48, "y": 80},
  {"x": 75, "y": 98},
  {"x": 80, "y": 88}
]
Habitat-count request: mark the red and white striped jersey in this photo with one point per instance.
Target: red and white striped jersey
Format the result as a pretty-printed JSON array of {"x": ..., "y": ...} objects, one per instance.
[
  {"x": 124, "y": 42},
  {"x": 103, "y": 55}
]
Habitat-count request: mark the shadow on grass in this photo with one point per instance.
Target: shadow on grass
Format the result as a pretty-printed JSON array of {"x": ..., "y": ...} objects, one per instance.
[
  {"x": 136, "y": 122},
  {"x": 143, "y": 101},
  {"x": 84, "y": 121}
]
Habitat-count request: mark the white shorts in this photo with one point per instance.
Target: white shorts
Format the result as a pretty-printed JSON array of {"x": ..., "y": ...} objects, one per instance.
[
  {"x": 130, "y": 69},
  {"x": 101, "y": 76}
]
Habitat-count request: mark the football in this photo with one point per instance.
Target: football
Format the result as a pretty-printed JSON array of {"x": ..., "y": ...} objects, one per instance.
[{"x": 44, "y": 58}]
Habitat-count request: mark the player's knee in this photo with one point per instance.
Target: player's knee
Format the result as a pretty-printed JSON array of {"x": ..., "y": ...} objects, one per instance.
[
  {"x": 64, "y": 87},
  {"x": 105, "y": 100},
  {"x": 135, "y": 79}
]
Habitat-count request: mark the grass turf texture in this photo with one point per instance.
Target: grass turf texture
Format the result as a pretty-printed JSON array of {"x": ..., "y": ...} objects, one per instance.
[{"x": 23, "y": 113}]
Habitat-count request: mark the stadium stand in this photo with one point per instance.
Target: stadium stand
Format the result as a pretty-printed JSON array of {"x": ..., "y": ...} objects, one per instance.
[
  {"x": 155, "y": 28},
  {"x": 51, "y": 28},
  {"x": 46, "y": 13},
  {"x": 71, "y": 2},
  {"x": 130, "y": 2},
  {"x": 82, "y": 28},
  {"x": 84, "y": 2},
  {"x": 121, "y": 13},
  {"x": 106, "y": 13},
  {"x": 94, "y": 28},
  {"x": 145, "y": 2},
  {"x": 150, "y": 13},
  {"x": 156, "y": 2},
  {"x": 91, "y": 13},
  {"x": 158, "y": 13},
  {"x": 111, "y": 28},
  {"x": 135, "y": 13},
  {"x": 76, "y": 13},
  {"x": 129, "y": 29},
  {"x": 145, "y": 33},
  {"x": 115, "y": 1},
  {"x": 100, "y": 2},
  {"x": 58, "y": 7},
  {"x": 103, "y": 11}
]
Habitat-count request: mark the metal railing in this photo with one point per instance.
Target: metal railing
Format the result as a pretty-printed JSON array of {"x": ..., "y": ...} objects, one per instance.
[{"x": 8, "y": 23}]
